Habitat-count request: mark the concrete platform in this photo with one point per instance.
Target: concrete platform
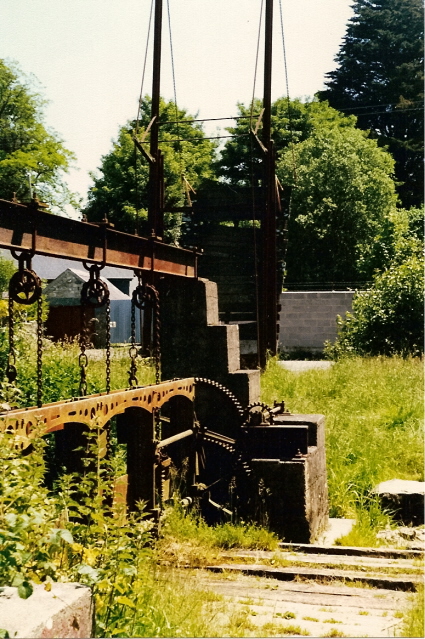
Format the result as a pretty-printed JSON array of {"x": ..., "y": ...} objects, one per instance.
[{"x": 300, "y": 366}]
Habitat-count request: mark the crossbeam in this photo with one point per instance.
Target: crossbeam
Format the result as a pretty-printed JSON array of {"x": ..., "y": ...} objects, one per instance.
[
  {"x": 94, "y": 410},
  {"x": 25, "y": 228}
]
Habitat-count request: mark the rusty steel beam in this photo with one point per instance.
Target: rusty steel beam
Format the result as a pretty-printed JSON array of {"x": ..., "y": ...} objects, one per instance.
[
  {"x": 25, "y": 228},
  {"x": 94, "y": 410}
]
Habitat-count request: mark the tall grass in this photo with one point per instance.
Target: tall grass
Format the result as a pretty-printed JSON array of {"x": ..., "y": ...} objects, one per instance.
[
  {"x": 61, "y": 372},
  {"x": 374, "y": 413}
]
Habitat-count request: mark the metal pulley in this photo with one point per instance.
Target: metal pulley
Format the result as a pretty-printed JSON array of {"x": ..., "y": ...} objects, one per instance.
[
  {"x": 95, "y": 291},
  {"x": 24, "y": 285}
]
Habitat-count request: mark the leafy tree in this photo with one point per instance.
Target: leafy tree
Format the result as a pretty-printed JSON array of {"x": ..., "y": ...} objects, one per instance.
[
  {"x": 292, "y": 122},
  {"x": 388, "y": 319},
  {"x": 7, "y": 269},
  {"x": 120, "y": 191},
  {"x": 379, "y": 78},
  {"x": 399, "y": 237},
  {"x": 241, "y": 157},
  {"x": 27, "y": 147},
  {"x": 342, "y": 192}
]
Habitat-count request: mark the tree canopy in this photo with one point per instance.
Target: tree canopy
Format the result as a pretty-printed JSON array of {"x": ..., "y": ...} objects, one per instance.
[
  {"x": 28, "y": 150},
  {"x": 342, "y": 191},
  {"x": 379, "y": 78},
  {"x": 120, "y": 189}
]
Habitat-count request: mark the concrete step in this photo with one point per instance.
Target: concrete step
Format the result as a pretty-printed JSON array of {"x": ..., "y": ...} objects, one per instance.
[
  {"x": 316, "y": 590},
  {"x": 405, "y": 582},
  {"x": 290, "y": 608}
]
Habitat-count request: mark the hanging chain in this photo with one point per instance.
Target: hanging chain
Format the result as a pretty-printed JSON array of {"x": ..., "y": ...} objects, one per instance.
[
  {"x": 39, "y": 352},
  {"x": 25, "y": 288},
  {"x": 145, "y": 294},
  {"x": 94, "y": 294},
  {"x": 11, "y": 372},
  {"x": 108, "y": 343},
  {"x": 132, "y": 351},
  {"x": 157, "y": 335},
  {"x": 83, "y": 359}
]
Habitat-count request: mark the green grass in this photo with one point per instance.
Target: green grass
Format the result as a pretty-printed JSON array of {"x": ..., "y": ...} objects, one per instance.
[
  {"x": 413, "y": 617},
  {"x": 187, "y": 540},
  {"x": 61, "y": 372},
  {"x": 374, "y": 412}
]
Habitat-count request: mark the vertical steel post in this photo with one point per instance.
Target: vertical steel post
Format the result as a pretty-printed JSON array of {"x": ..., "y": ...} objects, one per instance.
[
  {"x": 155, "y": 213},
  {"x": 268, "y": 272}
]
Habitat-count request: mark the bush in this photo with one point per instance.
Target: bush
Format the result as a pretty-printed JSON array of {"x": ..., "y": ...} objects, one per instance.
[{"x": 387, "y": 319}]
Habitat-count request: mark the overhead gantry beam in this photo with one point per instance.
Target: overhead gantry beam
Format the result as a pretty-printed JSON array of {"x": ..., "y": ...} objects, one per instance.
[{"x": 26, "y": 228}]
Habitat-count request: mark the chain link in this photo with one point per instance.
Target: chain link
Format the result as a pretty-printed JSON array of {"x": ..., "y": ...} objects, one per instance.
[
  {"x": 25, "y": 288},
  {"x": 132, "y": 351},
  {"x": 157, "y": 334},
  {"x": 39, "y": 352},
  {"x": 83, "y": 359},
  {"x": 145, "y": 294},
  {"x": 94, "y": 294},
  {"x": 11, "y": 372},
  {"x": 108, "y": 343}
]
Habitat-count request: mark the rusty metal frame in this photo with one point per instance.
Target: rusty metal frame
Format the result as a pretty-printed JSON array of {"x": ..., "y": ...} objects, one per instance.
[
  {"x": 25, "y": 228},
  {"x": 94, "y": 410}
]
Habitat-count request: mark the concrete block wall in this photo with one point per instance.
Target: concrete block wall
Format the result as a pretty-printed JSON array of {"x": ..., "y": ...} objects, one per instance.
[
  {"x": 308, "y": 318},
  {"x": 65, "y": 611}
]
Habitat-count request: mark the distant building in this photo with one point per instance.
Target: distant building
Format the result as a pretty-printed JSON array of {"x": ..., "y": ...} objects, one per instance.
[{"x": 65, "y": 314}]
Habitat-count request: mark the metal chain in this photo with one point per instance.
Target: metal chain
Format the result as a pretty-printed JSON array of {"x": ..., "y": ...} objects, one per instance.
[
  {"x": 94, "y": 293},
  {"x": 83, "y": 359},
  {"x": 132, "y": 351},
  {"x": 148, "y": 294},
  {"x": 39, "y": 352},
  {"x": 11, "y": 372},
  {"x": 157, "y": 334},
  {"x": 108, "y": 343}
]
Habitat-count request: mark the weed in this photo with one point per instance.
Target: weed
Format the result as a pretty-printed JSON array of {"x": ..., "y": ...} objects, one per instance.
[
  {"x": 413, "y": 617},
  {"x": 239, "y": 623},
  {"x": 334, "y": 632},
  {"x": 364, "y": 612},
  {"x": 310, "y": 619},
  {"x": 331, "y": 621},
  {"x": 282, "y": 629}
]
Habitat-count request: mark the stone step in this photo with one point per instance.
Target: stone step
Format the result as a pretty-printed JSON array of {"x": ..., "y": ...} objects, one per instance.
[
  {"x": 394, "y": 553},
  {"x": 363, "y": 563},
  {"x": 292, "y": 608},
  {"x": 404, "y": 582}
]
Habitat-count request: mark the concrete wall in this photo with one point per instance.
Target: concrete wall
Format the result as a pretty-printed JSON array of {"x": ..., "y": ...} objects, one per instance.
[{"x": 308, "y": 318}]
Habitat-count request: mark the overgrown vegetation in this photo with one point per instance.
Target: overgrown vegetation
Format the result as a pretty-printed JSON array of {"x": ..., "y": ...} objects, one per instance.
[
  {"x": 76, "y": 534},
  {"x": 374, "y": 413},
  {"x": 413, "y": 618}
]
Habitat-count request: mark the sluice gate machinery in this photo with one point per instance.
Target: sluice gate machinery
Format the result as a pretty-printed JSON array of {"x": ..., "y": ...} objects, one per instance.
[
  {"x": 233, "y": 458},
  {"x": 203, "y": 434}
]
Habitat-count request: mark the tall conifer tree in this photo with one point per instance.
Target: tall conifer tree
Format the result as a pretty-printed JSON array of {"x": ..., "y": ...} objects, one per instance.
[{"x": 379, "y": 78}]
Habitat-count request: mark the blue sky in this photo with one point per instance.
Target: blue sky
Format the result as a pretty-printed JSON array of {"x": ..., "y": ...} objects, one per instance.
[{"x": 88, "y": 57}]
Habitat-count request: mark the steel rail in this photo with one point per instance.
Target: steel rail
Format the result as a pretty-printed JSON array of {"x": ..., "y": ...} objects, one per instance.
[{"x": 25, "y": 228}]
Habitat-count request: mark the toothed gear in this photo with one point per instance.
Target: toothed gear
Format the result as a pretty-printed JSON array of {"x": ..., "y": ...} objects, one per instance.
[
  {"x": 224, "y": 390},
  {"x": 262, "y": 405}
]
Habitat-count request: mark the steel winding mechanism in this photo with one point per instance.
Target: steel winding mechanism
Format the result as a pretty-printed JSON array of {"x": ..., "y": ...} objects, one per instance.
[
  {"x": 214, "y": 465},
  {"x": 25, "y": 288}
]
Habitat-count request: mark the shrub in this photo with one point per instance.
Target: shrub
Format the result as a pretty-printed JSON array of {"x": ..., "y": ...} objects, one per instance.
[{"x": 387, "y": 319}]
